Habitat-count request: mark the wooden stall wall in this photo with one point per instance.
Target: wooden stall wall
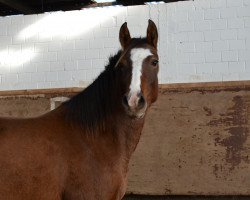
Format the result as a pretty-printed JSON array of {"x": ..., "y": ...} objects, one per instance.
[{"x": 195, "y": 140}]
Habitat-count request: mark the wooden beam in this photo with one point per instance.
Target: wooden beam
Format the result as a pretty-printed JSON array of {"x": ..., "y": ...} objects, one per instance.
[
  {"x": 214, "y": 86},
  {"x": 53, "y": 92},
  {"x": 17, "y": 5}
]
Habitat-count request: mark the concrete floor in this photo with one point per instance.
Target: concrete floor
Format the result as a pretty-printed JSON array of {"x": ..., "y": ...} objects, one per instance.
[{"x": 145, "y": 197}]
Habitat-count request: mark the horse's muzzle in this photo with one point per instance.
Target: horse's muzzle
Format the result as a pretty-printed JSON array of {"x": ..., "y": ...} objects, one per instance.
[{"x": 135, "y": 104}]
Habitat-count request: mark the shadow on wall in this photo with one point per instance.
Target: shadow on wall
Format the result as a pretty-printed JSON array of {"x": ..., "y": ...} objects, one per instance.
[
  {"x": 61, "y": 26},
  {"x": 64, "y": 49},
  {"x": 15, "y": 58},
  {"x": 68, "y": 25}
]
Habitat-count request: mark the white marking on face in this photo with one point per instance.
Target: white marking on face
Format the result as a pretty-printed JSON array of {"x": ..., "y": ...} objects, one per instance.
[{"x": 137, "y": 57}]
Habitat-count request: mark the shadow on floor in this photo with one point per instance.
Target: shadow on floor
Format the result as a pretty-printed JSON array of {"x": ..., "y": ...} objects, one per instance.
[{"x": 147, "y": 197}]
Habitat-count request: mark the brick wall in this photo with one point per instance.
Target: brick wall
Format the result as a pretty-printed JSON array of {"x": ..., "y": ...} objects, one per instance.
[{"x": 200, "y": 41}]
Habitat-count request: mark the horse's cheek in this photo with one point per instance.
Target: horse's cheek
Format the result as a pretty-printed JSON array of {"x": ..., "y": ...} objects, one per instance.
[{"x": 154, "y": 92}]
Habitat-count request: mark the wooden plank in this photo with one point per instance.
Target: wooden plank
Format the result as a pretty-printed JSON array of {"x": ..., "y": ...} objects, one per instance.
[
  {"x": 194, "y": 143},
  {"x": 241, "y": 85},
  {"x": 46, "y": 92},
  {"x": 227, "y": 85}
]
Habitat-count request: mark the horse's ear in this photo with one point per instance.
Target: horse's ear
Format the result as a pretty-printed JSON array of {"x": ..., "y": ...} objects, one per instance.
[
  {"x": 152, "y": 34},
  {"x": 124, "y": 36}
]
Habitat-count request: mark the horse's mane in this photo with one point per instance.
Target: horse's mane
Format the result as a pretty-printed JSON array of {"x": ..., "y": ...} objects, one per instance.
[{"x": 91, "y": 108}]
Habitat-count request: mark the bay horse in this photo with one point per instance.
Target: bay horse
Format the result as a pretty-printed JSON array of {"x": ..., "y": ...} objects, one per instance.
[{"x": 81, "y": 150}]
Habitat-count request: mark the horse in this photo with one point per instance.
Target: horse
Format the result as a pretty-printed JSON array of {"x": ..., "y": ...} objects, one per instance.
[{"x": 81, "y": 149}]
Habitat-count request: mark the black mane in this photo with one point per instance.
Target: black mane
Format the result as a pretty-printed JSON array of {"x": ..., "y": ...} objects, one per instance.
[{"x": 91, "y": 107}]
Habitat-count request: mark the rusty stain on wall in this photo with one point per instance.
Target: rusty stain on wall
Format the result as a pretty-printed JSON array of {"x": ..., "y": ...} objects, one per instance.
[
  {"x": 207, "y": 110},
  {"x": 235, "y": 123}
]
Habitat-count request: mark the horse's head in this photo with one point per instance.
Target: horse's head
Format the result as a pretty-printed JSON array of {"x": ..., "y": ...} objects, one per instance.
[{"x": 139, "y": 63}]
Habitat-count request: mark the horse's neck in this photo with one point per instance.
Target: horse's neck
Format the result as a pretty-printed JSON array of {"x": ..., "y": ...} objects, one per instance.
[
  {"x": 129, "y": 135},
  {"x": 119, "y": 139}
]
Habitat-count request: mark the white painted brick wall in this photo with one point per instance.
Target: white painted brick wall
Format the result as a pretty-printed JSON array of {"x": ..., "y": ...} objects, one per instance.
[{"x": 199, "y": 41}]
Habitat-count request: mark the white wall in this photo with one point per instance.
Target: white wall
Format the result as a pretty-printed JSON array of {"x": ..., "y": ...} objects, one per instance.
[{"x": 200, "y": 41}]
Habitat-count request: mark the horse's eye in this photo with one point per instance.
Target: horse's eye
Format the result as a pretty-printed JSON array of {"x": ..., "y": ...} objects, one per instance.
[{"x": 155, "y": 62}]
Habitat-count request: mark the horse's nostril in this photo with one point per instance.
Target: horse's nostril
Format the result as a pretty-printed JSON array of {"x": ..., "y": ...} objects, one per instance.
[
  {"x": 141, "y": 101},
  {"x": 125, "y": 100},
  {"x": 134, "y": 102}
]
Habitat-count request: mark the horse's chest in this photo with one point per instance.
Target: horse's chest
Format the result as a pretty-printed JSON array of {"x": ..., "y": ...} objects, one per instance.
[
  {"x": 105, "y": 184},
  {"x": 112, "y": 186}
]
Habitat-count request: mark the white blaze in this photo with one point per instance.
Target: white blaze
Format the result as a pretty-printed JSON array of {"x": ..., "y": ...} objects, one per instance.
[{"x": 137, "y": 57}]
